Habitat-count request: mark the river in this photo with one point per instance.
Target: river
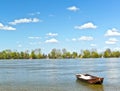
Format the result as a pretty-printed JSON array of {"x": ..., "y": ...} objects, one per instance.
[{"x": 58, "y": 74}]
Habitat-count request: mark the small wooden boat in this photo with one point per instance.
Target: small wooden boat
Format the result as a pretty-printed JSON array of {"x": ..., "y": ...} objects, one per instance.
[{"x": 89, "y": 78}]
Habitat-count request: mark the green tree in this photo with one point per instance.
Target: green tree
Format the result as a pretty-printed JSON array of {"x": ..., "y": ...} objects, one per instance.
[
  {"x": 32, "y": 55},
  {"x": 74, "y": 55},
  {"x": 52, "y": 54},
  {"x": 116, "y": 54},
  {"x": 107, "y": 53},
  {"x": 55, "y": 53},
  {"x": 86, "y": 54},
  {"x": 66, "y": 54},
  {"x": 38, "y": 53},
  {"x": 94, "y": 54}
]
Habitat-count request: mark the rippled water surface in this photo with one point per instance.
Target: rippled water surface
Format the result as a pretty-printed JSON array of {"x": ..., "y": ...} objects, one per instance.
[{"x": 58, "y": 75}]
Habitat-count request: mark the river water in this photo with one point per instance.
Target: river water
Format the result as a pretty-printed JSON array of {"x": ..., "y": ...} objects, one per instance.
[{"x": 58, "y": 75}]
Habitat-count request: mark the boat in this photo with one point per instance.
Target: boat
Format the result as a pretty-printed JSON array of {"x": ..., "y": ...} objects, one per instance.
[{"x": 90, "y": 78}]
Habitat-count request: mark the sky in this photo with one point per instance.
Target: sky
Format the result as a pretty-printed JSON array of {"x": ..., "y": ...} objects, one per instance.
[{"x": 72, "y": 24}]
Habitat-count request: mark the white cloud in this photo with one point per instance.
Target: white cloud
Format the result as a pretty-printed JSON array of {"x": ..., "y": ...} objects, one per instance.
[
  {"x": 73, "y": 8},
  {"x": 112, "y": 32},
  {"x": 34, "y": 37},
  {"x": 52, "y": 34},
  {"x": 111, "y": 41},
  {"x": 3, "y": 27},
  {"x": 51, "y": 15},
  {"x": 116, "y": 48},
  {"x": 86, "y": 38},
  {"x": 36, "y": 13},
  {"x": 88, "y": 25},
  {"x": 24, "y": 20},
  {"x": 53, "y": 40},
  {"x": 35, "y": 43},
  {"x": 74, "y": 39},
  {"x": 93, "y": 45}
]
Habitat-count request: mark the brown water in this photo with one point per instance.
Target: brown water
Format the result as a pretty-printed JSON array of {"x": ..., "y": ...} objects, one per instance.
[{"x": 58, "y": 75}]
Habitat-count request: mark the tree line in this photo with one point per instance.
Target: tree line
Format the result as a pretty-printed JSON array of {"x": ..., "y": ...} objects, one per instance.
[{"x": 57, "y": 54}]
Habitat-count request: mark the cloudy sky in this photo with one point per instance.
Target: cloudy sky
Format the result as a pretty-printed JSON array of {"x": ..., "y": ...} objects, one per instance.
[{"x": 70, "y": 24}]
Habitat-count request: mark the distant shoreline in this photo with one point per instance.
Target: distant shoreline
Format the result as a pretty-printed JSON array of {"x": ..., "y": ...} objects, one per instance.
[
  {"x": 62, "y": 59},
  {"x": 58, "y": 54}
]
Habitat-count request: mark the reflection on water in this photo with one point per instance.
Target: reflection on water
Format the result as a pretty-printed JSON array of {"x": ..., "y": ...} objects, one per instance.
[
  {"x": 58, "y": 75},
  {"x": 90, "y": 87}
]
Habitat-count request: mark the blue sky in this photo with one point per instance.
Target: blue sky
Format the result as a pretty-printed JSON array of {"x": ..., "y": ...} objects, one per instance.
[{"x": 72, "y": 24}]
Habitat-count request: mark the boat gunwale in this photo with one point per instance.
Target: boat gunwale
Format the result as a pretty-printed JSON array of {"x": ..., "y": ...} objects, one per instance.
[{"x": 93, "y": 80}]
